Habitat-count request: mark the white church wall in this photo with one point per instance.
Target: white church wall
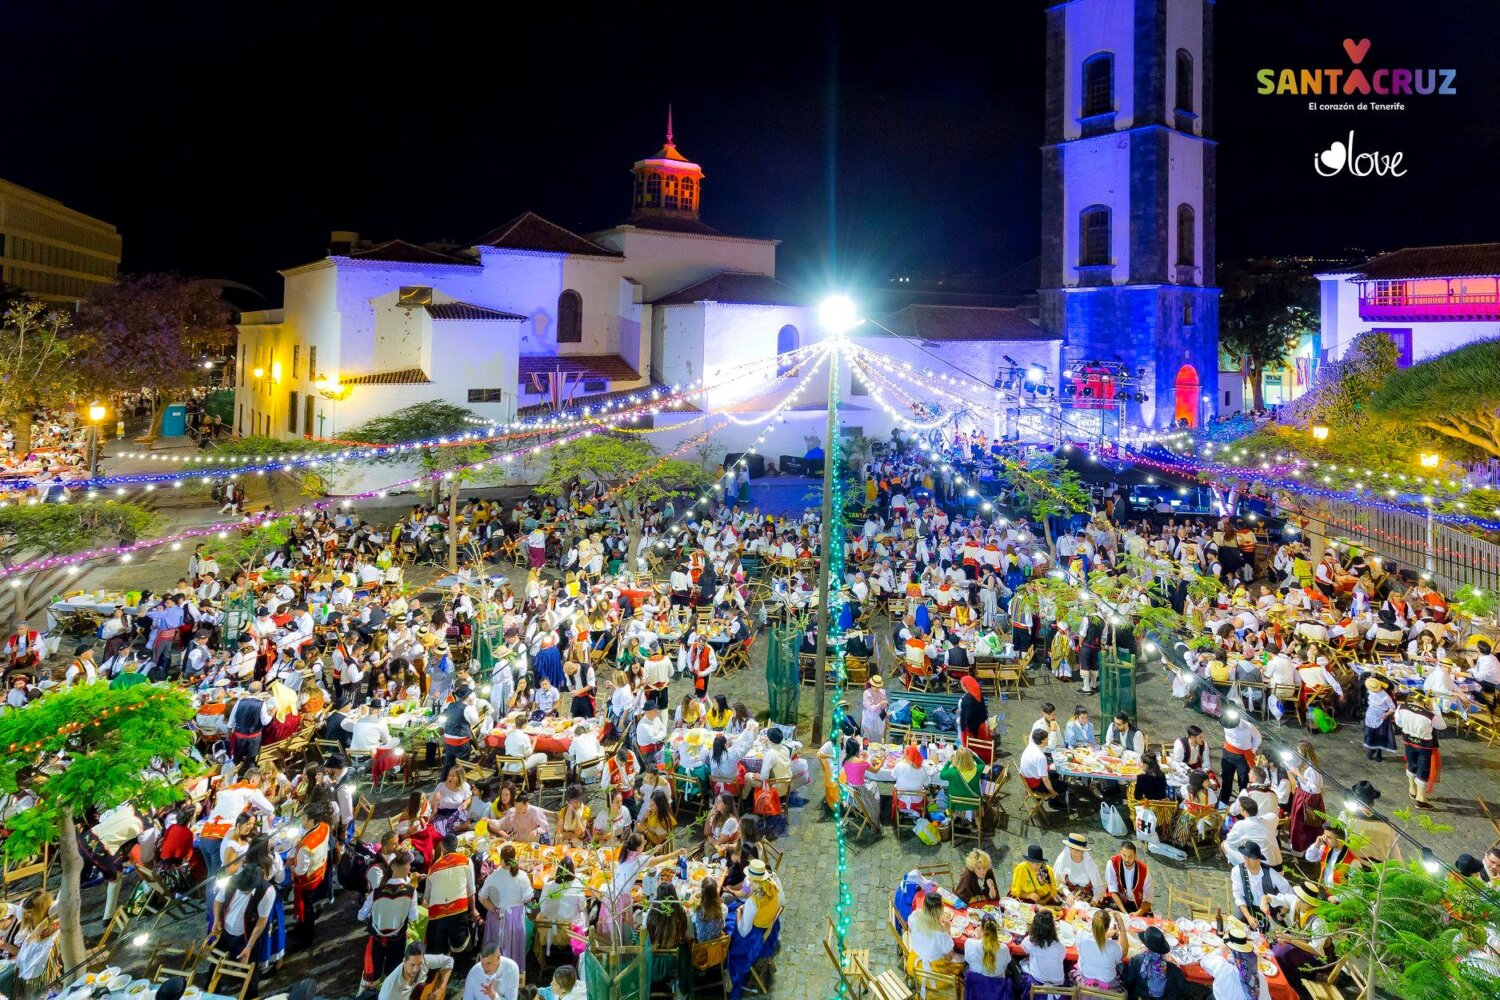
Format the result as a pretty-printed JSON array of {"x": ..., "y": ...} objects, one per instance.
[
  {"x": 1097, "y": 173},
  {"x": 666, "y": 262},
  {"x": 1185, "y": 185},
  {"x": 736, "y": 335},
  {"x": 679, "y": 330},
  {"x": 1099, "y": 26}
]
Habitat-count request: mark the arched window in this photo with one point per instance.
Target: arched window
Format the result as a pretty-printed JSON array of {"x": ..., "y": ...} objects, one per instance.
[
  {"x": 570, "y": 318},
  {"x": 1093, "y": 236},
  {"x": 653, "y": 190},
  {"x": 1186, "y": 236},
  {"x": 1185, "y": 397},
  {"x": 1184, "y": 80},
  {"x": 787, "y": 342},
  {"x": 1098, "y": 84}
]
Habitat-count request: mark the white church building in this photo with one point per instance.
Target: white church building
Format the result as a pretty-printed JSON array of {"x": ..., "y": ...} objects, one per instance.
[{"x": 658, "y": 300}]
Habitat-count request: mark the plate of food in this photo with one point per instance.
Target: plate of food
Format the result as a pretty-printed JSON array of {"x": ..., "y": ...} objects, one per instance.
[
  {"x": 1067, "y": 934},
  {"x": 137, "y": 988},
  {"x": 1137, "y": 924},
  {"x": 1267, "y": 967},
  {"x": 117, "y": 982}
]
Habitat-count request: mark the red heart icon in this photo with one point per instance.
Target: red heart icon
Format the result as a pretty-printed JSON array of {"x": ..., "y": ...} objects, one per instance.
[{"x": 1357, "y": 50}]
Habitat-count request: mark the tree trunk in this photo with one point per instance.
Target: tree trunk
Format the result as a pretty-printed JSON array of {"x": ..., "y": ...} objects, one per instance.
[
  {"x": 1257, "y": 391},
  {"x": 453, "y": 526},
  {"x": 23, "y": 421},
  {"x": 1051, "y": 543},
  {"x": 69, "y": 919}
]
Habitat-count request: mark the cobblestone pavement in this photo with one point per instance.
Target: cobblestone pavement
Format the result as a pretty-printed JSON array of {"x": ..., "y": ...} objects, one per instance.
[{"x": 809, "y": 869}]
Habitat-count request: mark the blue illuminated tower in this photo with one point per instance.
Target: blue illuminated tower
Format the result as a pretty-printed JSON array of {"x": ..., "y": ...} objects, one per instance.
[{"x": 1127, "y": 262}]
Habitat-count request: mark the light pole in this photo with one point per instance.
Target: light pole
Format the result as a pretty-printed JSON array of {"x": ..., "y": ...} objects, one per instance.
[
  {"x": 96, "y": 414},
  {"x": 837, "y": 316}
]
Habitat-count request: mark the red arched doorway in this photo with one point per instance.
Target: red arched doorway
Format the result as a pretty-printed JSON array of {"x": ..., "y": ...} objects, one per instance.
[{"x": 1188, "y": 388}]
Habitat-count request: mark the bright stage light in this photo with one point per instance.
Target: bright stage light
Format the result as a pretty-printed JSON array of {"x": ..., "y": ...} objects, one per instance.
[{"x": 837, "y": 314}]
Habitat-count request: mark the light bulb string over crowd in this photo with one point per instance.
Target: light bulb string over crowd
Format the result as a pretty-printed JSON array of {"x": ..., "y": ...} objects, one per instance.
[
  {"x": 679, "y": 523},
  {"x": 126, "y": 552},
  {"x": 370, "y": 452}
]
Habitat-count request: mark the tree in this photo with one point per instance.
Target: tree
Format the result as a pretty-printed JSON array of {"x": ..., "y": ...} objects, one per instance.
[
  {"x": 629, "y": 468},
  {"x": 37, "y": 367},
  {"x": 150, "y": 332},
  {"x": 60, "y": 528},
  {"x": 1416, "y": 933},
  {"x": 1453, "y": 394},
  {"x": 454, "y": 464},
  {"x": 1262, "y": 317},
  {"x": 1045, "y": 490},
  {"x": 118, "y": 745},
  {"x": 245, "y": 549},
  {"x": 1341, "y": 391}
]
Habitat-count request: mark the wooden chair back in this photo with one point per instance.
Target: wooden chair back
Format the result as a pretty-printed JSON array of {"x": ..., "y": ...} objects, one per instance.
[
  {"x": 227, "y": 968},
  {"x": 963, "y": 803}
]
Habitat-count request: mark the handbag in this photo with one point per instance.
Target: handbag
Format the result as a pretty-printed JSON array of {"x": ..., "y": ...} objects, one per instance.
[
  {"x": 766, "y": 801},
  {"x": 927, "y": 832}
]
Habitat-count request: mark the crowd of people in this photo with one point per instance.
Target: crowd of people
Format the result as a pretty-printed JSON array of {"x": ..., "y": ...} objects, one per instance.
[{"x": 321, "y": 638}]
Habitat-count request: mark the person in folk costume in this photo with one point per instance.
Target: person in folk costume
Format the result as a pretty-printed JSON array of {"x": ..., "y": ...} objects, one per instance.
[
  {"x": 1380, "y": 711},
  {"x": 1241, "y": 740},
  {"x": 240, "y": 918},
  {"x": 1127, "y": 882},
  {"x": 1330, "y": 852},
  {"x": 459, "y": 717},
  {"x": 1307, "y": 797},
  {"x": 702, "y": 661},
  {"x": 873, "y": 709},
  {"x": 23, "y": 649},
  {"x": 247, "y": 723},
  {"x": 504, "y": 896},
  {"x": 757, "y": 927},
  {"x": 1088, "y": 652},
  {"x": 388, "y": 909},
  {"x": 579, "y": 682},
  {"x": 310, "y": 867},
  {"x": 973, "y": 717},
  {"x": 449, "y": 895},
  {"x": 1062, "y": 652},
  {"x": 1424, "y": 761},
  {"x": 1235, "y": 968}
]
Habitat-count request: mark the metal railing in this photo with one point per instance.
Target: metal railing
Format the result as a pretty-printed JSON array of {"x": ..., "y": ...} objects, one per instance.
[{"x": 1449, "y": 556}]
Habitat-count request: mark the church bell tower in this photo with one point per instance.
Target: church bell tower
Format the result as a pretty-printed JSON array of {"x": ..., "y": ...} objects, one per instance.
[
  {"x": 1127, "y": 263},
  {"x": 667, "y": 186}
]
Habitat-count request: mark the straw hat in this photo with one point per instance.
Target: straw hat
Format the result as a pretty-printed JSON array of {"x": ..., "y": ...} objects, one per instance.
[
  {"x": 1077, "y": 841},
  {"x": 1374, "y": 685},
  {"x": 757, "y": 870},
  {"x": 876, "y": 681},
  {"x": 1237, "y": 936},
  {"x": 1309, "y": 892}
]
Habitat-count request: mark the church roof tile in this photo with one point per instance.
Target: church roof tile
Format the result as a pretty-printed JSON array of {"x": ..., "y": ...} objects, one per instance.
[
  {"x": 467, "y": 310},
  {"x": 957, "y": 323},
  {"x": 1459, "y": 260},
  {"x": 739, "y": 287},
  {"x": 529, "y": 231}
]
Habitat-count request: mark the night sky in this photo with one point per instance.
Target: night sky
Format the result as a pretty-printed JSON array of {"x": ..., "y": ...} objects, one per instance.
[{"x": 227, "y": 140}]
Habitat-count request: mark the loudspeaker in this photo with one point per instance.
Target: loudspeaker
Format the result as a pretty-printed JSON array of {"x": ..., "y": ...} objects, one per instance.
[{"x": 756, "y": 463}]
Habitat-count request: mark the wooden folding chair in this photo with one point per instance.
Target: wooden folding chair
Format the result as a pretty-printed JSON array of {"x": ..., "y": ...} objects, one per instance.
[
  {"x": 38, "y": 866},
  {"x": 807, "y": 668},
  {"x": 1008, "y": 679},
  {"x": 1290, "y": 696},
  {"x": 963, "y": 803},
  {"x": 364, "y": 811},
  {"x": 772, "y": 855},
  {"x": 589, "y": 772},
  {"x": 851, "y": 981},
  {"x": 939, "y": 873},
  {"x": 904, "y": 818},
  {"x": 327, "y": 748},
  {"x": 1197, "y": 907},
  {"x": 994, "y": 799},
  {"x": 474, "y": 772},
  {"x": 888, "y": 985},
  {"x": 1493, "y": 822},
  {"x": 1325, "y": 988},
  {"x": 115, "y": 926},
  {"x": 898, "y": 735},
  {"x": 225, "y": 967},
  {"x": 163, "y": 973},
  {"x": 1037, "y": 813},
  {"x": 1041, "y": 992},
  {"x": 513, "y": 769},
  {"x": 707, "y": 958}
]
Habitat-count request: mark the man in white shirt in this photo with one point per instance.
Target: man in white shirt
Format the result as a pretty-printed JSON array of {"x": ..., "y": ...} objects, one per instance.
[
  {"x": 585, "y": 747},
  {"x": 651, "y": 731},
  {"x": 1259, "y": 891},
  {"x": 1267, "y": 802},
  {"x": 1048, "y": 724},
  {"x": 368, "y": 730},
  {"x": 1122, "y": 735},
  {"x": 1486, "y": 667},
  {"x": 1252, "y": 827},
  {"x": 415, "y": 970},
  {"x": 518, "y": 743},
  {"x": 1241, "y": 740},
  {"x": 1035, "y": 770},
  {"x": 493, "y": 977}
]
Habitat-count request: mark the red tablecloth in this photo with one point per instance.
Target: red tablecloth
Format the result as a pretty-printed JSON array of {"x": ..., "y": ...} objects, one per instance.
[
  {"x": 1280, "y": 988},
  {"x": 552, "y": 746}
]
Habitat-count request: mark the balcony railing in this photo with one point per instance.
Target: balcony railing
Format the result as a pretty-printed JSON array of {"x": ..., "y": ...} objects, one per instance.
[{"x": 1431, "y": 306}]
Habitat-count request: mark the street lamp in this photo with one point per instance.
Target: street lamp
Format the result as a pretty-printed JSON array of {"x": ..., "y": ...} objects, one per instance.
[
  {"x": 1320, "y": 432},
  {"x": 837, "y": 315},
  {"x": 1430, "y": 459},
  {"x": 96, "y": 414}
]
